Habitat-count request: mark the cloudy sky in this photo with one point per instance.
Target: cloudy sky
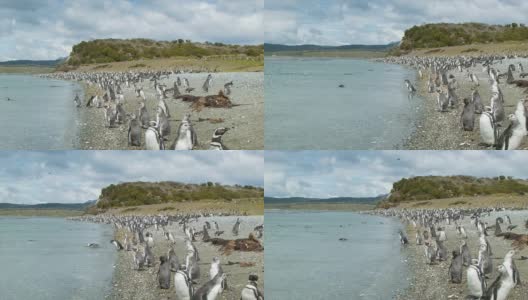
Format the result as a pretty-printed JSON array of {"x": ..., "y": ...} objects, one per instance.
[
  {"x": 78, "y": 176},
  {"x": 338, "y": 22},
  {"x": 325, "y": 174},
  {"x": 36, "y": 29}
]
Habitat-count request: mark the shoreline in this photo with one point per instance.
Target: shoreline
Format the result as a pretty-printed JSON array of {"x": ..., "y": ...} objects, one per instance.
[
  {"x": 131, "y": 284},
  {"x": 443, "y": 131},
  {"x": 422, "y": 275},
  {"x": 246, "y": 121}
]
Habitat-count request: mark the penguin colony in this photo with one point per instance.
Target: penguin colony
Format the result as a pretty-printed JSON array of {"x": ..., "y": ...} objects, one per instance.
[
  {"x": 150, "y": 129},
  {"x": 472, "y": 262},
  {"x": 498, "y": 130},
  {"x": 177, "y": 271}
]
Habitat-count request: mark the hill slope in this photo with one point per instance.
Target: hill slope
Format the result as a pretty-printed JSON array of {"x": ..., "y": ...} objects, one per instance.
[
  {"x": 116, "y": 50},
  {"x": 146, "y": 193},
  {"x": 445, "y": 187},
  {"x": 448, "y": 34}
]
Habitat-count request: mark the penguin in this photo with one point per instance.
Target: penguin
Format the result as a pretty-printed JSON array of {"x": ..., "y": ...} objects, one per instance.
[
  {"x": 205, "y": 236},
  {"x": 110, "y": 116},
  {"x": 163, "y": 124},
  {"x": 510, "y": 266},
  {"x": 164, "y": 273},
  {"x": 134, "y": 131},
  {"x": 236, "y": 227},
  {"x": 77, "y": 101},
  {"x": 441, "y": 235},
  {"x": 215, "y": 269},
  {"x": 468, "y": 115},
  {"x": 520, "y": 113},
  {"x": 484, "y": 260},
  {"x": 216, "y": 140},
  {"x": 143, "y": 115},
  {"x": 512, "y": 137},
  {"x": 117, "y": 244},
  {"x": 419, "y": 240},
  {"x": 149, "y": 257},
  {"x": 452, "y": 98},
  {"x": 163, "y": 105},
  {"x": 211, "y": 290},
  {"x": 186, "y": 138},
  {"x": 193, "y": 269},
  {"x": 173, "y": 260},
  {"x": 403, "y": 238},
  {"x": 441, "y": 251},
  {"x": 139, "y": 259},
  {"x": 207, "y": 83},
  {"x": 474, "y": 78},
  {"x": 182, "y": 284},
  {"x": 501, "y": 287},
  {"x": 227, "y": 88},
  {"x": 477, "y": 102},
  {"x": 153, "y": 140},
  {"x": 466, "y": 255},
  {"x": 497, "y": 108},
  {"x": 251, "y": 291},
  {"x": 498, "y": 229},
  {"x": 488, "y": 129},
  {"x": 120, "y": 113},
  {"x": 149, "y": 240},
  {"x": 455, "y": 269},
  {"x": 476, "y": 281},
  {"x": 442, "y": 101},
  {"x": 430, "y": 253}
]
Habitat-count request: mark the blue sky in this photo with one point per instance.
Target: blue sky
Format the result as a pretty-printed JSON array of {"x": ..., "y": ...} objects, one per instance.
[
  {"x": 78, "y": 176},
  {"x": 338, "y": 22},
  {"x": 36, "y": 29},
  {"x": 327, "y": 174}
]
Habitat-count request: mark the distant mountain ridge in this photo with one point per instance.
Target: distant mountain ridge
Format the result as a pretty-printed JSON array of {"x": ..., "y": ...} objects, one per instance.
[
  {"x": 290, "y": 200},
  {"x": 54, "y": 206},
  {"x": 309, "y": 47},
  {"x": 38, "y": 63}
]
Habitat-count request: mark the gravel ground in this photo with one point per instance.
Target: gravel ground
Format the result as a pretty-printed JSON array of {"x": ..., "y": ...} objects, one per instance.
[
  {"x": 246, "y": 121},
  {"x": 443, "y": 131},
  {"x": 432, "y": 281},
  {"x": 131, "y": 284}
]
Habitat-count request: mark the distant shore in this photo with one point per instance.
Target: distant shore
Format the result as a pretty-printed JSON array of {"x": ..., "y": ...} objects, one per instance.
[
  {"x": 328, "y": 54},
  {"x": 59, "y": 213},
  {"x": 322, "y": 206}
]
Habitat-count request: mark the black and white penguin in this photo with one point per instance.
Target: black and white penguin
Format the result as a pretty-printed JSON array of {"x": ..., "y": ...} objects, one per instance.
[
  {"x": 403, "y": 238},
  {"x": 149, "y": 257},
  {"x": 227, "y": 88},
  {"x": 211, "y": 290},
  {"x": 186, "y": 138},
  {"x": 173, "y": 260},
  {"x": 215, "y": 269},
  {"x": 441, "y": 251},
  {"x": 134, "y": 131},
  {"x": 488, "y": 128},
  {"x": 484, "y": 260},
  {"x": 455, "y": 269},
  {"x": 501, "y": 287},
  {"x": 497, "y": 108},
  {"x": 466, "y": 255},
  {"x": 442, "y": 101},
  {"x": 512, "y": 137},
  {"x": 251, "y": 290},
  {"x": 477, "y": 102},
  {"x": 153, "y": 140},
  {"x": 163, "y": 124},
  {"x": 468, "y": 115},
  {"x": 193, "y": 269},
  {"x": 236, "y": 227},
  {"x": 183, "y": 284},
  {"x": 110, "y": 116},
  {"x": 117, "y": 244},
  {"x": 139, "y": 259},
  {"x": 164, "y": 273},
  {"x": 510, "y": 266},
  {"x": 120, "y": 113},
  {"x": 216, "y": 140},
  {"x": 498, "y": 229},
  {"x": 143, "y": 115},
  {"x": 476, "y": 281},
  {"x": 207, "y": 83}
]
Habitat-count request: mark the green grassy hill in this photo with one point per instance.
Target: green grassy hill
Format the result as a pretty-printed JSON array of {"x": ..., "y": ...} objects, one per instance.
[
  {"x": 446, "y": 34},
  {"x": 146, "y": 193},
  {"x": 444, "y": 187},
  {"x": 117, "y": 50}
]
